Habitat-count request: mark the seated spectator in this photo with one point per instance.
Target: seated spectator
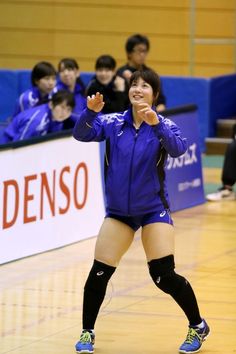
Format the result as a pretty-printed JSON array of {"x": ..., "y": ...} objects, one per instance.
[
  {"x": 69, "y": 79},
  {"x": 43, "y": 79},
  {"x": 228, "y": 176},
  {"x": 112, "y": 87},
  {"x": 40, "y": 120},
  {"x": 137, "y": 48}
]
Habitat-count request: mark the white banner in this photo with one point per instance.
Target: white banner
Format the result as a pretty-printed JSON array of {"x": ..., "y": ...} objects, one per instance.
[{"x": 50, "y": 196}]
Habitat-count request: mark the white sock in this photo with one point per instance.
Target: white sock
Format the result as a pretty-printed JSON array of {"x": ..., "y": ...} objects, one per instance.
[{"x": 200, "y": 325}]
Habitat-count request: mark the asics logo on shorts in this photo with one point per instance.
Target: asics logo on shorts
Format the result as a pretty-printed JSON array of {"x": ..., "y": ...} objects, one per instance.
[
  {"x": 100, "y": 273},
  {"x": 163, "y": 213}
]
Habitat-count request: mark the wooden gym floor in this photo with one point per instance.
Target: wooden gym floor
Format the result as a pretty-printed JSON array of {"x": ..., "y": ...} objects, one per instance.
[{"x": 41, "y": 296}]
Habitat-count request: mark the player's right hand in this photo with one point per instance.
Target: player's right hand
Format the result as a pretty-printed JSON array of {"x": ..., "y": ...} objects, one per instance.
[{"x": 95, "y": 102}]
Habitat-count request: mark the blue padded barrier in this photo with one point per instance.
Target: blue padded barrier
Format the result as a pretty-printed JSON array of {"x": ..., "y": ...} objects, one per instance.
[
  {"x": 86, "y": 77},
  {"x": 8, "y": 93},
  {"x": 183, "y": 90},
  {"x": 222, "y": 100},
  {"x": 24, "y": 77}
]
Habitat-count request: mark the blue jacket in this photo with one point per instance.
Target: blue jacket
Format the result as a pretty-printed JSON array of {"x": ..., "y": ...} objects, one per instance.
[
  {"x": 31, "y": 98},
  {"x": 135, "y": 177},
  {"x": 36, "y": 121}
]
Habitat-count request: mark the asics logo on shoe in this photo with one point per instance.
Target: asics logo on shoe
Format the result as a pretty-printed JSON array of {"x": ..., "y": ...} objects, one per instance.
[
  {"x": 163, "y": 213},
  {"x": 100, "y": 273}
]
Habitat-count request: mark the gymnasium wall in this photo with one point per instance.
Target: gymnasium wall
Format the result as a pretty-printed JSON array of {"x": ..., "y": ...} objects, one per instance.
[{"x": 188, "y": 38}]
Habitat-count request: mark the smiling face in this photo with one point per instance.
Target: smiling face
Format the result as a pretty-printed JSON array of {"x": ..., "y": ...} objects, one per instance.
[
  {"x": 140, "y": 92},
  {"x": 68, "y": 76},
  {"x": 105, "y": 75}
]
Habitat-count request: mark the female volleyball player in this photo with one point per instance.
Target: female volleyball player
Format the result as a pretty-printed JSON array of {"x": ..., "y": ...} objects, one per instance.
[{"x": 138, "y": 141}]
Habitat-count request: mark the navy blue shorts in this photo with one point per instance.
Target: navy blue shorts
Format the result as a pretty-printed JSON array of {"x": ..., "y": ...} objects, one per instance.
[{"x": 135, "y": 222}]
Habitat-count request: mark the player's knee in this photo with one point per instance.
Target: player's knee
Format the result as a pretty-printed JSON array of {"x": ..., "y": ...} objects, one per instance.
[
  {"x": 164, "y": 276},
  {"x": 99, "y": 276}
]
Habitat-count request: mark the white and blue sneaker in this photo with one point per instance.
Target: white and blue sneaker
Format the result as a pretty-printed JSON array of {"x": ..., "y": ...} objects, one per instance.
[
  {"x": 86, "y": 342},
  {"x": 194, "y": 339}
]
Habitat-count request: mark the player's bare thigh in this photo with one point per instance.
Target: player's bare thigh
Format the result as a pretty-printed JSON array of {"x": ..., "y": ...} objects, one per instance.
[
  {"x": 113, "y": 241},
  {"x": 158, "y": 240}
]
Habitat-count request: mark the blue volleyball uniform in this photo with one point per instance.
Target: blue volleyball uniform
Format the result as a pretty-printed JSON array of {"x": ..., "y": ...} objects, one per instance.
[
  {"x": 134, "y": 177},
  {"x": 34, "y": 122},
  {"x": 31, "y": 98}
]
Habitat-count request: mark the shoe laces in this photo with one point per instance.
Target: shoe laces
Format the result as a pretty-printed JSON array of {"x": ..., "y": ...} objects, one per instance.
[
  {"x": 85, "y": 337},
  {"x": 192, "y": 334}
]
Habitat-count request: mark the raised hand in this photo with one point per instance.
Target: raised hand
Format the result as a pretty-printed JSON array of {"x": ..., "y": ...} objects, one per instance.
[
  {"x": 95, "y": 102},
  {"x": 147, "y": 114},
  {"x": 127, "y": 74},
  {"x": 119, "y": 83}
]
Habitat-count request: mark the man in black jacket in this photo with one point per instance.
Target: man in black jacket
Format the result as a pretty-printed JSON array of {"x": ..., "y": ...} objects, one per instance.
[{"x": 137, "y": 48}]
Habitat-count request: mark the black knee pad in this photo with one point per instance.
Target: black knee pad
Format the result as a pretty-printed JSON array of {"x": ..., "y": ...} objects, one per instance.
[
  {"x": 99, "y": 276},
  {"x": 164, "y": 276}
]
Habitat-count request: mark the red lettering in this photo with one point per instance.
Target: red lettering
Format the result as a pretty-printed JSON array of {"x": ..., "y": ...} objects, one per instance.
[
  {"x": 27, "y": 198},
  {"x": 65, "y": 190},
  {"x": 81, "y": 166},
  {"x": 46, "y": 193},
  {"x": 51, "y": 198},
  {"x": 8, "y": 223}
]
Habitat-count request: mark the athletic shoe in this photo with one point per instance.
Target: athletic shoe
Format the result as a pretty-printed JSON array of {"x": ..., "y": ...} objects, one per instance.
[
  {"x": 221, "y": 194},
  {"x": 86, "y": 342},
  {"x": 194, "y": 339}
]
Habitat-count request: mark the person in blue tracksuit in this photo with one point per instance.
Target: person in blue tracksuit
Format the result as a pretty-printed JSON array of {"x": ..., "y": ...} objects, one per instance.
[
  {"x": 40, "y": 120},
  {"x": 138, "y": 141},
  {"x": 43, "y": 79},
  {"x": 69, "y": 79}
]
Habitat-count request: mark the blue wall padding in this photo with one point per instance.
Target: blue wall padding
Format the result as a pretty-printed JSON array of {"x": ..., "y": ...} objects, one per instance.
[
  {"x": 86, "y": 77},
  {"x": 8, "y": 93},
  {"x": 215, "y": 97},
  {"x": 24, "y": 80},
  {"x": 182, "y": 90},
  {"x": 222, "y": 100}
]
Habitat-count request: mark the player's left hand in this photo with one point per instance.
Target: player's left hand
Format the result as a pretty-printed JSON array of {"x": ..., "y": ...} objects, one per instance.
[{"x": 147, "y": 114}]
